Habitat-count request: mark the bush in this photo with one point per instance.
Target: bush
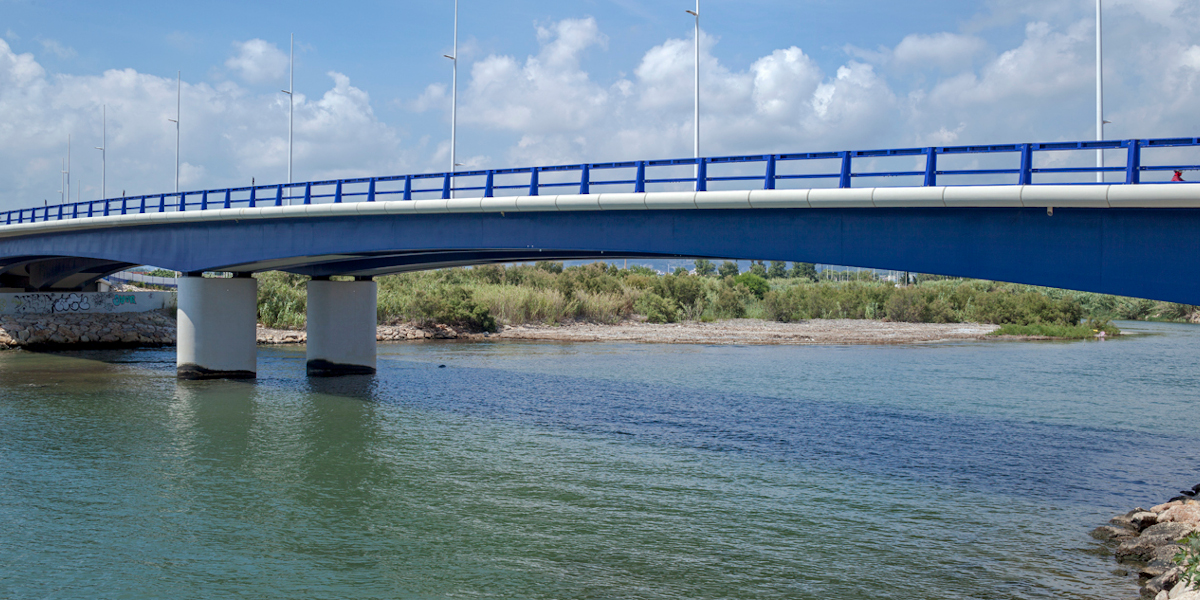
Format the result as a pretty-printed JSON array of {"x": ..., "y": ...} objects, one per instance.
[
  {"x": 755, "y": 283},
  {"x": 705, "y": 268},
  {"x": 282, "y": 300},
  {"x": 454, "y": 306},
  {"x": 728, "y": 269},
  {"x": 1188, "y": 557},
  {"x": 731, "y": 302},
  {"x": 656, "y": 309}
]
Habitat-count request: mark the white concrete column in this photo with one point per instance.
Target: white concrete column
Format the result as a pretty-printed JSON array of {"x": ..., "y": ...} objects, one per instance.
[
  {"x": 341, "y": 327},
  {"x": 216, "y": 338}
]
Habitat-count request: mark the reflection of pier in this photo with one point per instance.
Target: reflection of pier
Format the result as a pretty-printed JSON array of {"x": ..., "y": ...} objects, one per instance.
[{"x": 1025, "y": 220}]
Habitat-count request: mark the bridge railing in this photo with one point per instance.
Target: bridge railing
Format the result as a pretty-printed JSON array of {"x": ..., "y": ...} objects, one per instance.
[{"x": 590, "y": 178}]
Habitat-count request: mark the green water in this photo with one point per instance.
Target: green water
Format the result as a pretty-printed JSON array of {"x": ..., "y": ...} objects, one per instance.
[{"x": 524, "y": 470}]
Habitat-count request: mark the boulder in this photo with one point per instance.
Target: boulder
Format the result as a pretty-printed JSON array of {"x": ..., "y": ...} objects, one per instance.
[
  {"x": 1177, "y": 531},
  {"x": 1144, "y": 519},
  {"x": 1161, "y": 583},
  {"x": 1144, "y": 547},
  {"x": 1188, "y": 514},
  {"x": 1108, "y": 532}
]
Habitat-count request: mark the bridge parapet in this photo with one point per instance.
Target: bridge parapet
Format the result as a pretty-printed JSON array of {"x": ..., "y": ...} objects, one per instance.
[{"x": 637, "y": 177}]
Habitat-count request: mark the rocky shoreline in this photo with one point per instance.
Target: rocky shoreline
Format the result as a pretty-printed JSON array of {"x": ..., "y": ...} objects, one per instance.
[
  {"x": 87, "y": 330},
  {"x": 1145, "y": 542}
]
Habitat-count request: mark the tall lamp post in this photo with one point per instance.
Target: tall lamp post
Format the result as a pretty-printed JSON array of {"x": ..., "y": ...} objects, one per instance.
[
  {"x": 291, "y": 101},
  {"x": 178, "y": 97},
  {"x": 696, "y": 115},
  {"x": 1099, "y": 90},
  {"x": 454, "y": 99},
  {"x": 103, "y": 151}
]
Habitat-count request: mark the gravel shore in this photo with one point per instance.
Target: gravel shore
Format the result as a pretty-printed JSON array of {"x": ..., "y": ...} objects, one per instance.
[
  {"x": 738, "y": 331},
  {"x": 756, "y": 332}
]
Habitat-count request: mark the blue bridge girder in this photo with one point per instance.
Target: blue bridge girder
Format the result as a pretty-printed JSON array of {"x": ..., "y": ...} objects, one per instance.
[{"x": 1130, "y": 238}]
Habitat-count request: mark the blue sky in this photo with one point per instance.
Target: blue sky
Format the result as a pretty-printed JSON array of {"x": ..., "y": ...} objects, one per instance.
[{"x": 552, "y": 82}]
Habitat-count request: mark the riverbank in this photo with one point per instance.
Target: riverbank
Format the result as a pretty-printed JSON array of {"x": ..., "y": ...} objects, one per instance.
[
  {"x": 731, "y": 332},
  {"x": 87, "y": 330},
  {"x": 1146, "y": 541},
  {"x": 156, "y": 329}
]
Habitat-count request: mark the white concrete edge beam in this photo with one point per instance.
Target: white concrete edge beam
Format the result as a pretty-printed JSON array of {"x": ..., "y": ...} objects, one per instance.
[{"x": 1183, "y": 195}]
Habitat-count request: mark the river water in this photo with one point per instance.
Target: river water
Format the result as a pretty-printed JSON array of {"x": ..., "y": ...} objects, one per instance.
[{"x": 550, "y": 470}]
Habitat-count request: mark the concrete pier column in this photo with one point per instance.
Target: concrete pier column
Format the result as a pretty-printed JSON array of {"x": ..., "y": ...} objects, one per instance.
[
  {"x": 341, "y": 327},
  {"x": 216, "y": 338}
]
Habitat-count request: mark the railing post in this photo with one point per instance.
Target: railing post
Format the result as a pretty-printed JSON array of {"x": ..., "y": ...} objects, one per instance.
[
  {"x": 702, "y": 175},
  {"x": 639, "y": 183},
  {"x": 279, "y": 195},
  {"x": 930, "y": 167},
  {"x": 844, "y": 181},
  {"x": 408, "y": 187},
  {"x": 182, "y": 201},
  {"x": 446, "y": 187},
  {"x": 371, "y": 191},
  {"x": 162, "y": 203},
  {"x": 1026, "y": 164},
  {"x": 60, "y": 212},
  {"x": 533, "y": 181},
  {"x": 75, "y": 211},
  {"x": 769, "y": 179},
  {"x": 585, "y": 180},
  {"x": 204, "y": 201},
  {"x": 228, "y": 198},
  {"x": 125, "y": 205},
  {"x": 9, "y": 221},
  {"x": 488, "y": 187},
  {"x": 1133, "y": 164},
  {"x": 308, "y": 193},
  {"x": 253, "y": 200},
  {"x": 106, "y": 207}
]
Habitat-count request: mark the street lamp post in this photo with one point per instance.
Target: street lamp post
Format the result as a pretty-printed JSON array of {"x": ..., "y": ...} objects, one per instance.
[
  {"x": 454, "y": 100},
  {"x": 178, "y": 97},
  {"x": 1099, "y": 90},
  {"x": 103, "y": 151},
  {"x": 291, "y": 101},
  {"x": 696, "y": 115}
]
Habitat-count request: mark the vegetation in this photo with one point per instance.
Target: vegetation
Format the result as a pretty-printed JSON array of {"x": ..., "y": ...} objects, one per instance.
[
  {"x": 1188, "y": 557},
  {"x": 484, "y": 297}
]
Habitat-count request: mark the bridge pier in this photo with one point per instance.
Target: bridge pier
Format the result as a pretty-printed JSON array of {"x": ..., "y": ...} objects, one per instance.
[
  {"x": 341, "y": 327},
  {"x": 216, "y": 336}
]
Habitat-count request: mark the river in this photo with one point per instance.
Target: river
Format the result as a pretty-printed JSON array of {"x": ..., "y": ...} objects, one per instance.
[{"x": 548, "y": 470}]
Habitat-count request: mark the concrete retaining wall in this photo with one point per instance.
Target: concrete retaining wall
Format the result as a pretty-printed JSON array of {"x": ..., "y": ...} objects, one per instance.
[{"x": 47, "y": 303}]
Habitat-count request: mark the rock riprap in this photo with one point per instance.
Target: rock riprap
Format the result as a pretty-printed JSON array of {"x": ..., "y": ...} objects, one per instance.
[
  {"x": 1147, "y": 540},
  {"x": 124, "y": 329}
]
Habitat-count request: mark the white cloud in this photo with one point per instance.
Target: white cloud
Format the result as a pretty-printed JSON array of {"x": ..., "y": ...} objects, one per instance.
[
  {"x": 946, "y": 51},
  {"x": 228, "y": 135},
  {"x": 57, "y": 49},
  {"x": 258, "y": 61}
]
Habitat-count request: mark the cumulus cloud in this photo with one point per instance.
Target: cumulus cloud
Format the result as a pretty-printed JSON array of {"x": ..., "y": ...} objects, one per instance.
[
  {"x": 258, "y": 61},
  {"x": 228, "y": 135}
]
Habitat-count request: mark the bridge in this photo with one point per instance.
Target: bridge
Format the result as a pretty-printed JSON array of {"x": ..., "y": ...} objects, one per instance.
[{"x": 1000, "y": 212}]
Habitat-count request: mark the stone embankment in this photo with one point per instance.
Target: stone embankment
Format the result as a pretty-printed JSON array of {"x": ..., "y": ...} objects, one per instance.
[
  {"x": 383, "y": 333},
  {"x": 1146, "y": 542},
  {"x": 75, "y": 330}
]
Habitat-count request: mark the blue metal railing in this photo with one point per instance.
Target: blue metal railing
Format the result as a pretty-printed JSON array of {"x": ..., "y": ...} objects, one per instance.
[{"x": 444, "y": 184}]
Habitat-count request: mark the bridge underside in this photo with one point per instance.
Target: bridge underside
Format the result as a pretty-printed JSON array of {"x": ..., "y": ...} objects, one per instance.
[{"x": 1151, "y": 253}]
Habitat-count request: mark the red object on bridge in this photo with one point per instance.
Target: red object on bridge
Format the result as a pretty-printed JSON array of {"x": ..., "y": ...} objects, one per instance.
[{"x": 1178, "y": 176}]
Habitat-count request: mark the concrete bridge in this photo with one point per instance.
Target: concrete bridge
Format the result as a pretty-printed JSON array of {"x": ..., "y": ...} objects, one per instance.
[{"x": 1129, "y": 238}]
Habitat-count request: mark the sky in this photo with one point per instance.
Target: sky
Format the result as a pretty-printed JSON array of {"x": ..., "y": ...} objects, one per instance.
[{"x": 543, "y": 83}]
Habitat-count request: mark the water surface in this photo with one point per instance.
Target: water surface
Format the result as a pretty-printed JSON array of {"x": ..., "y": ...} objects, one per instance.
[{"x": 548, "y": 470}]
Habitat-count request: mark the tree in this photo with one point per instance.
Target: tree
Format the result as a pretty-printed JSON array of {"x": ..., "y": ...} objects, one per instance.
[
  {"x": 680, "y": 271},
  {"x": 758, "y": 268},
  {"x": 728, "y": 269},
  {"x": 705, "y": 267},
  {"x": 804, "y": 271},
  {"x": 777, "y": 270}
]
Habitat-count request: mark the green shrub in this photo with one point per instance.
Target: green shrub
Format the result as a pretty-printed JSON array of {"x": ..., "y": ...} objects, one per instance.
[
  {"x": 755, "y": 283},
  {"x": 731, "y": 302},
  {"x": 454, "y": 306},
  {"x": 656, "y": 309},
  {"x": 1188, "y": 557},
  {"x": 728, "y": 269}
]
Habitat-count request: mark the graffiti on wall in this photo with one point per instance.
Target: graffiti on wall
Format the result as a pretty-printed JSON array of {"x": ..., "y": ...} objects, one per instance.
[{"x": 45, "y": 303}]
